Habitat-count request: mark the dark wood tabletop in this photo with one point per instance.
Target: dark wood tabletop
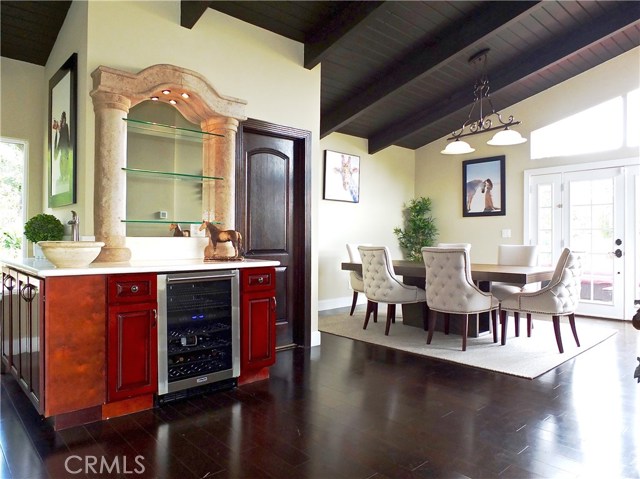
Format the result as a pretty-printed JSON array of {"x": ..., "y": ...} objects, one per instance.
[{"x": 479, "y": 272}]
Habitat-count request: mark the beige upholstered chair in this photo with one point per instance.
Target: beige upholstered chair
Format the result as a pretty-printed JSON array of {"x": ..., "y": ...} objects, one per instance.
[
  {"x": 381, "y": 285},
  {"x": 450, "y": 289},
  {"x": 355, "y": 278},
  {"x": 559, "y": 298},
  {"x": 515, "y": 255}
]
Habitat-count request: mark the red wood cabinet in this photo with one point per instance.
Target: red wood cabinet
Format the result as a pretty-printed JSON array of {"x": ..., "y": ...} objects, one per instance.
[
  {"x": 132, "y": 339},
  {"x": 22, "y": 325},
  {"x": 258, "y": 323}
]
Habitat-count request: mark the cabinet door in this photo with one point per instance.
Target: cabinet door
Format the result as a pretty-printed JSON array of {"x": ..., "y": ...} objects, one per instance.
[
  {"x": 9, "y": 290},
  {"x": 30, "y": 327},
  {"x": 132, "y": 365},
  {"x": 258, "y": 330}
]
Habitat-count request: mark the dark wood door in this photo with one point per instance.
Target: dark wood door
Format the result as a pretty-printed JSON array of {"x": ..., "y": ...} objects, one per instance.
[
  {"x": 132, "y": 361},
  {"x": 273, "y": 209}
]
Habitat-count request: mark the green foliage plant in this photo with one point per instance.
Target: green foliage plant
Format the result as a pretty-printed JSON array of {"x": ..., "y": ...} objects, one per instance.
[
  {"x": 44, "y": 227},
  {"x": 419, "y": 228}
]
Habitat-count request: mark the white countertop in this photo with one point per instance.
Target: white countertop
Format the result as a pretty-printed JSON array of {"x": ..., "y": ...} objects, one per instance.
[{"x": 44, "y": 269}]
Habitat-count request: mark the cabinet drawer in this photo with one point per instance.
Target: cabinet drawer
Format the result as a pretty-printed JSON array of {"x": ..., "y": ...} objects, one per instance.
[
  {"x": 132, "y": 288},
  {"x": 257, "y": 279}
]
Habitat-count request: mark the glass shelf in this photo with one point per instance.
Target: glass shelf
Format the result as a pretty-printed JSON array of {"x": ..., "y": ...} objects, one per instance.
[
  {"x": 166, "y": 130},
  {"x": 181, "y": 176},
  {"x": 168, "y": 222}
]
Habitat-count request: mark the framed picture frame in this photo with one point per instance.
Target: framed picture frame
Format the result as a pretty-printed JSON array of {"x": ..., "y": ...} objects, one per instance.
[
  {"x": 62, "y": 127},
  {"x": 341, "y": 177},
  {"x": 483, "y": 187}
]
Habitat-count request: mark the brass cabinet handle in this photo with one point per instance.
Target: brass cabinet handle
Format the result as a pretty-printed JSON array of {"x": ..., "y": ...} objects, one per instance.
[{"x": 9, "y": 282}]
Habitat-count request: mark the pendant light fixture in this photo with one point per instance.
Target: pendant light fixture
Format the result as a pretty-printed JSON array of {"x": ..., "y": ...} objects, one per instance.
[{"x": 483, "y": 117}]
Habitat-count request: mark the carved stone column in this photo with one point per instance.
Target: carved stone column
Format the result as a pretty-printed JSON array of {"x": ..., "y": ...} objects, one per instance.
[
  {"x": 219, "y": 159},
  {"x": 110, "y": 188}
]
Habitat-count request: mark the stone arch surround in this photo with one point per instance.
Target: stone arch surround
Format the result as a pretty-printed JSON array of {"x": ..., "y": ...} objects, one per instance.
[{"x": 114, "y": 93}]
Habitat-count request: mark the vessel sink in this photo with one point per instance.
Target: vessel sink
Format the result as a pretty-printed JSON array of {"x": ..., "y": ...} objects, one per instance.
[{"x": 71, "y": 254}]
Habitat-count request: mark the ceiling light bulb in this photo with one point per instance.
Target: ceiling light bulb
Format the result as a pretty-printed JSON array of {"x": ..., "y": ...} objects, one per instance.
[
  {"x": 458, "y": 148},
  {"x": 506, "y": 137},
  {"x": 154, "y": 98},
  {"x": 173, "y": 102},
  {"x": 166, "y": 92},
  {"x": 185, "y": 95}
]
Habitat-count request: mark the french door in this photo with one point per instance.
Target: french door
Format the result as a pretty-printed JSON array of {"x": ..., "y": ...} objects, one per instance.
[{"x": 593, "y": 211}]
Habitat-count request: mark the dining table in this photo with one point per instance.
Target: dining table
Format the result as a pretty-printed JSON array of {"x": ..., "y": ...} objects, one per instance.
[{"x": 483, "y": 274}]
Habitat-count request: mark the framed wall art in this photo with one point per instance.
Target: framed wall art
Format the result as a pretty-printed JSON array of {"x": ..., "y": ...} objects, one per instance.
[
  {"x": 62, "y": 158},
  {"x": 341, "y": 177},
  {"x": 483, "y": 187}
]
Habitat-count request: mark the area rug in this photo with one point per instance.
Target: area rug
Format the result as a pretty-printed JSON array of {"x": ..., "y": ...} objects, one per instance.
[{"x": 521, "y": 356}]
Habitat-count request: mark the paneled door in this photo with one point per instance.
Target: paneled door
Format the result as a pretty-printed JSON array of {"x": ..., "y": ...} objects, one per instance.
[
  {"x": 273, "y": 216},
  {"x": 592, "y": 211}
]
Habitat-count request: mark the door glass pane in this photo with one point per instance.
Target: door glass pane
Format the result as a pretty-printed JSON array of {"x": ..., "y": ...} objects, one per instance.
[
  {"x": 545, "y": 224},
  {"x": 591, "y": 232}
]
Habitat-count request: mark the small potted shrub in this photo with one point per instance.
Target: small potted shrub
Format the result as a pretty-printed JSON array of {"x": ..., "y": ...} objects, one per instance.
[
  {"x": 43, "y": 227},
  {"x": 420, "y": 228}
]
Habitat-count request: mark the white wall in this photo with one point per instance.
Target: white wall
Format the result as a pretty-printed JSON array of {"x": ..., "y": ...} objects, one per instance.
[
  {"x": 22, "y": 103},
  {"x": 440, "y": 177},
  {"x": 386, "y": 184}
]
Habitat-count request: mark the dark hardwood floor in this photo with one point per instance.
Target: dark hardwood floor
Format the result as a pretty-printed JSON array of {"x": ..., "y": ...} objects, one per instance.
[{"x": 352, "y": 410}]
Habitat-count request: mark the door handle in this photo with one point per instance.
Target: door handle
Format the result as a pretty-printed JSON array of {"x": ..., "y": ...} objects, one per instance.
[{"x": 617, "y": 253}]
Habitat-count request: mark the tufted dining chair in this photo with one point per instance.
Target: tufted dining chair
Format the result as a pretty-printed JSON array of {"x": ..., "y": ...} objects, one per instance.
[
  {"x": 559, "y": 298},
  {"x": 355, "y": 278},
  {"x": 381, "y": 285},
  {"x": 451, "y": 290},
  {"x": 515, "y": 255},
  {"x": 466, "y": 246}
]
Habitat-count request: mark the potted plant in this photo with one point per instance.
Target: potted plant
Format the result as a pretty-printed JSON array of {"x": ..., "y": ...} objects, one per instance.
[
  {"x": 420, "y": 228},
  {"x": 43, "y": 227}
]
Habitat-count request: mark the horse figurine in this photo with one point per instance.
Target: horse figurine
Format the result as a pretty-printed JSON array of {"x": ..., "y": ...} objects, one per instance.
[
  {"x": 177, "y": 231},
  {"x": 216, "y": 235}
]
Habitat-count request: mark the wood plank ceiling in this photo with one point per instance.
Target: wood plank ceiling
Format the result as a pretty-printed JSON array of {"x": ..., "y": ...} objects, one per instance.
[{"x": 397, "y": 72}]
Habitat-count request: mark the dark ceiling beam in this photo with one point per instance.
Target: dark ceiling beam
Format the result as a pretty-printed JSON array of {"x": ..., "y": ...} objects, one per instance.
[
  {"x": 352, "y": 18},
  {"x": 598, "y": 29},
  {"x": 190, "y": 12},
  {"x": 427, "y": 57}
]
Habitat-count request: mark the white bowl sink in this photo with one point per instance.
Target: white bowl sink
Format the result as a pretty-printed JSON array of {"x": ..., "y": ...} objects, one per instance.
[{"x": 71, "y": 254}]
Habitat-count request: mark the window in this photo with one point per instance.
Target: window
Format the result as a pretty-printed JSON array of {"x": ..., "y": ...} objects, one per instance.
[
  {"x": 13, "y": 155},
  {"x": 599, "y": 128}
]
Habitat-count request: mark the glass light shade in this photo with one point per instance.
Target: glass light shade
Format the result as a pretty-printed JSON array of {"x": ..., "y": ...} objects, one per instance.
[
  {"x": 506, "y": 137},
  {"x": 458, "y": 148}
]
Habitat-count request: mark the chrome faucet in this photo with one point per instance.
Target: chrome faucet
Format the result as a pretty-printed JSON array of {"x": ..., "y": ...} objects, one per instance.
[{"x": 75, "y": 226}]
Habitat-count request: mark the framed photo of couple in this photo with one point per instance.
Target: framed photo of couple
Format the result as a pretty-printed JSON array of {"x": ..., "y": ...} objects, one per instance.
[
  {"x": 483, "y": 187},
  {"x": 63, "y": 124}
]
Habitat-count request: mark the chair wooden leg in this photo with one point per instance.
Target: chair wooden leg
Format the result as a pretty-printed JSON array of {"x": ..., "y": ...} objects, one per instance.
[
  {"x": 529, "y": 325},
  {"x": 516, "y": 321},
  {"x": 368, "y": 313},
  {"x": 447, "y": 317},
  {"x": 465, "y": 332},
  {"x": 425, "y": 316},
  {"x": 391, "y": 317},
  {"x": 572, "y": 322},
  {"x": 354, "y": 301},
  {"x": 494, "y": 324},
  {"x": 432, "y": 325},
  {"x": 556, "y": 329},
  {"x": 375, "y": 312},
  {"x": 504, "y": 317}
]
